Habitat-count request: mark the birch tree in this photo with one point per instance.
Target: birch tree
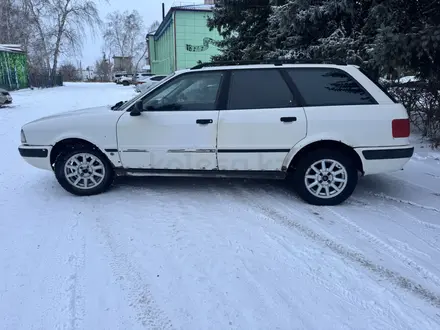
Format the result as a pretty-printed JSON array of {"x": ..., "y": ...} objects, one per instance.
[
  {"x": 61, "y": 25},
  {"x": 124, "y": 35}
]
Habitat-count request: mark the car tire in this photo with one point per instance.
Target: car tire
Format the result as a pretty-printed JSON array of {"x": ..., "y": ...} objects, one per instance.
[
  {"x": 125, "y": 83},
  {"x": 93, "y": 177},
  {"x": 330, "y": 187}
]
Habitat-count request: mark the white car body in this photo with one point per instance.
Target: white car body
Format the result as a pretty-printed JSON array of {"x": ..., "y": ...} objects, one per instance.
[
  {"x": 146, "y": 83},
  {"x": 226, "y": 143}
]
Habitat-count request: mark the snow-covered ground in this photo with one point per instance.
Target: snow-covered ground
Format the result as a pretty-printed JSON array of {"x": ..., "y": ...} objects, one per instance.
[{"x": 167, "y": 253}]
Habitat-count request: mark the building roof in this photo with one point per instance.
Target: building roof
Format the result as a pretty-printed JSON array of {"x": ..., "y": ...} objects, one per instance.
[
  {"x": 11, "y": 48},
  {"x": 168, "y": 17},
  {"x": 202, "y": 7}
]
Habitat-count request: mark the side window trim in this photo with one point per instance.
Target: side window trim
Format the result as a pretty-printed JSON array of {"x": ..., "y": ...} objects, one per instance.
[
  {"x": 295, "y": 91},
  {"x": 229, "y": 84},
  {"x": 374, "y": 101},
  {"x": 186, "y": 74},
  {"x": 223, "y": 97}
]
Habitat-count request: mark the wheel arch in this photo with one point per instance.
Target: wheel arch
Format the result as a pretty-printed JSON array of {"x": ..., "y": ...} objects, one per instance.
[
  {"x": 73, "y": 143},
  {"x": 326, "y": 144}
]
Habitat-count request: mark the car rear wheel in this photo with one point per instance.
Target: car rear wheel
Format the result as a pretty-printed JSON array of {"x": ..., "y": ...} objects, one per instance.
[
  {"x": 84, "y": 172},
  {"x": 325, "y": 177}
]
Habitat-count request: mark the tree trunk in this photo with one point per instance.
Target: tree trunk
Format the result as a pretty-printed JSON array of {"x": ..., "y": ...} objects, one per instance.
[{"x": 60, "y": 33}]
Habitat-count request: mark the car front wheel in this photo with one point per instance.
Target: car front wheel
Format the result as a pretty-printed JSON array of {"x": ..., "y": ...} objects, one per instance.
[
  {"x": 325, "y": 177},
  {"x": 84, "y": 172}
]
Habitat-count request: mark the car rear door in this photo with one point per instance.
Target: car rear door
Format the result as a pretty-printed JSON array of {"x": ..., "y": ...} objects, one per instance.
[{"x": 262, "y": 121}]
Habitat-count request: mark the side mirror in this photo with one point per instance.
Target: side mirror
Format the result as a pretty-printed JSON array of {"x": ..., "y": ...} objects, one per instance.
[{"x": 137, "y": 110}]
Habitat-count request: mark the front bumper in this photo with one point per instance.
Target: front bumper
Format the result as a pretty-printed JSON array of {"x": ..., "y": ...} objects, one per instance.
[{"x": 37, "y": 156}]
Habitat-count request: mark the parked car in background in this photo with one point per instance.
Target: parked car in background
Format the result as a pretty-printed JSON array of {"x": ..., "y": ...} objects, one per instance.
[
  {"x": 5, "y": 97},
  {"x": 146, "y": 83},
  {"x": 143, "y": 75},
  {"x": 116, "y": 77},
  {"x": 317, "y": 125}
]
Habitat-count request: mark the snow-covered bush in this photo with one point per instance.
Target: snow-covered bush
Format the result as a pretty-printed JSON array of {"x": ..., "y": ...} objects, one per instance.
[{"x": 422, "y": 100}]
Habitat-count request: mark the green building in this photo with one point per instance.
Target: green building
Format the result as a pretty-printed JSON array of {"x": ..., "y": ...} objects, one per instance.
[
  {"x": 182, "y": 39},
  {"x": 13, "y": 67}
]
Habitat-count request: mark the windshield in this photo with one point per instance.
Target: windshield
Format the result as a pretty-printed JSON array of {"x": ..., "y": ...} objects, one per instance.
[{"x": 139, "y": 96}]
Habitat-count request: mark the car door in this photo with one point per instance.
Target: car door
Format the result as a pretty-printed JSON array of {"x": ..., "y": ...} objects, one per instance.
[
  {"x": 178, "y": 127},
  {"x": 262, "y": 122}
]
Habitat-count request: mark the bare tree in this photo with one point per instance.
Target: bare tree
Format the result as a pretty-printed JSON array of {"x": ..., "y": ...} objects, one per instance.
[
  {"x": 151, "y": 28},
  {"x": 60, "y": 26},
  {"x": 124, "y": 34},
  {"x": 12, "y": 16},
  {"x": 103, "y": 68},
  {"x": 69, "y": 72}
]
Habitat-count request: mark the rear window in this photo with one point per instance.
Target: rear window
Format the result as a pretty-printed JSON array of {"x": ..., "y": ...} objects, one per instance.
[{"x": 329, "y": 87}]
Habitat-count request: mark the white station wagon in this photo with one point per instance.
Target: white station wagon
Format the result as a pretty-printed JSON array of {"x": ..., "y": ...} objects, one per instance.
[{"x": 320, "y": 125}]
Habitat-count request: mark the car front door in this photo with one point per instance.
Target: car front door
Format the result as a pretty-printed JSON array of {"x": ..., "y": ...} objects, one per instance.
[
  {"x": 262, "y": 122},
  {"x": 178, "y": 127}
]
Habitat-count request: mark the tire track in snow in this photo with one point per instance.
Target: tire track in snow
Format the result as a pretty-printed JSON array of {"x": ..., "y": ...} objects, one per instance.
[
  {"x": 369, "y": 206},
  {"x": 417, "y": 268},
  {"x": 349, "y": 254},
  {"x": 404, "y": 201},
  {"x": 139, "y": 295},
  {"x": 76, "y": 302},
  {"x": 417, "y": 220},
  {"x": 426, "y": 274},
  {"x": 405, "y": 246},
  {"x": 385, "y": 313},
  {"x": 411, "y": 183},
  {"x": 353, "y": 300}
]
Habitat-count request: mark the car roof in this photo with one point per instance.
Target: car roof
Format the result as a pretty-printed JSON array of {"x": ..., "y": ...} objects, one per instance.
[{"x": 208, "y": 67}]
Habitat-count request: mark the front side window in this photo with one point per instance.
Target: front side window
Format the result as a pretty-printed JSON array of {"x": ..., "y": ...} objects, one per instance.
[
  {"x": 259, "y": 89},
  {"x": 194, "y": 91},
  {"x": 328, "y": 87}
]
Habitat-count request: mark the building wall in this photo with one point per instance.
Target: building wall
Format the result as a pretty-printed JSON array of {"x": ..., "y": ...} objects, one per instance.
[
  {"x": 193, "y": 38},
  {"x": 13, "y": 70},
  {"x": 162, "y": 49}
]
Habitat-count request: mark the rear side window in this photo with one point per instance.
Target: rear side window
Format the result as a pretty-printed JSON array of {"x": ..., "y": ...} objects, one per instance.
[
  {"x": 259, "y": 89},
  {"x": 328, "y": 87}
]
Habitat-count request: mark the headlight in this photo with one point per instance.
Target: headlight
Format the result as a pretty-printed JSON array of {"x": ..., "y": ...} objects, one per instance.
[{"x": 23, "y": 137}]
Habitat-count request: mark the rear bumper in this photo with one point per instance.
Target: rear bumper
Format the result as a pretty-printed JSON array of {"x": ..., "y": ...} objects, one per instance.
[
  {"x": 37, "y": 156},
  {"x": 381, "y": 154},
  {"x": 385, "y": 159}
]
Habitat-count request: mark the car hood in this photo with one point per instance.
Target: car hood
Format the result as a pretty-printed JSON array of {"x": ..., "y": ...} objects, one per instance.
[{"x": 74, "y": 113}]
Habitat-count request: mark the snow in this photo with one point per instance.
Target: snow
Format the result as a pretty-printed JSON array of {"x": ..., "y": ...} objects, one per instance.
[
  {"x": 11, "y": 48},
  {"x": 171, "y": 253}
]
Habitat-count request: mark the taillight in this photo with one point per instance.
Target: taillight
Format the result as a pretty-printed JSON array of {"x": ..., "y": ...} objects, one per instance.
[{"x": 400, "y": 128}]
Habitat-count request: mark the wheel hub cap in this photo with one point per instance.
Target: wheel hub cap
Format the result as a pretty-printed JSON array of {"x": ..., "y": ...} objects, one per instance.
[
  {"x": 84, "y": 171},
  {"x": 326, "y": 178}
]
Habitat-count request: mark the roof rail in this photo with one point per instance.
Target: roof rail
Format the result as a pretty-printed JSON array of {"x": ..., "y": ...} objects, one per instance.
[{"x": 274, "y": 62}]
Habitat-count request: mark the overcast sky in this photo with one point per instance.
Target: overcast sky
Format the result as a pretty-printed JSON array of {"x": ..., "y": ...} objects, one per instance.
[{"x": 150, "y": 10}]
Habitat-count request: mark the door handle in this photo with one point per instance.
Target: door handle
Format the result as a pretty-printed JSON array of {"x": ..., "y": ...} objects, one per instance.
[
  {"x": 204, "y": 121},
  {"x": 288, "y": 119}
]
